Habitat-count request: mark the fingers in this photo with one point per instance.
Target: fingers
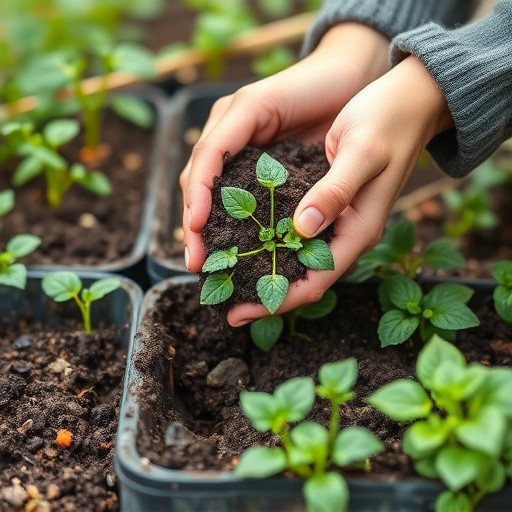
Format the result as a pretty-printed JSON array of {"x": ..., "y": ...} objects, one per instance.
[{"x": 358, "y": 159}]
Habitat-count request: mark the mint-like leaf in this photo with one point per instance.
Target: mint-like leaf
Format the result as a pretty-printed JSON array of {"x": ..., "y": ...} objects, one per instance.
[
  {"x": 316, "y": 254},
  {"x": 239, "y": 203},
  {"x": 272, "y": 290},
  {"x": 269, "y": 172},
  {"x": 216, "y": 289}
]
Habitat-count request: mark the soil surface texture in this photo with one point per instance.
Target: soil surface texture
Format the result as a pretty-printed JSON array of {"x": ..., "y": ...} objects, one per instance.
[
  {"x": 54, "y": 381},
  {"x": 194, "y": 367}
]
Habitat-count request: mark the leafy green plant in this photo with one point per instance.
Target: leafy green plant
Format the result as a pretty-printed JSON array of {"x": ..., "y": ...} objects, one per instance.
[
  {"x": 308, "y": 449},
  {"x": 442, "y": 310},
  {"x": 62, "y": 286},
  {"x": 39, "y": 155},
  {"x": 241, "y": 204},
  {"x": 396, "y": 254},
  {"x": 13, "y": 273},
  {"x": 6, "y": 203},
  {"x": 470, "y": 209},
  {"x": 502, "y": 295},
  {"x": 266, "y": 331},
  {"x": 462, "y": 423}
]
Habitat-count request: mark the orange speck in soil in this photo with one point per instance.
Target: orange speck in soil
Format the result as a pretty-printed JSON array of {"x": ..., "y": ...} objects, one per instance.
[{"x": 64, "y": 438}]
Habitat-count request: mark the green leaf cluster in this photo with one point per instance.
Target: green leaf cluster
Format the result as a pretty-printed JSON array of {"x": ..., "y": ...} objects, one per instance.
[
  {"x": 502, "y": 295},
  {"x": 62, "y": 286},
  {"x": 441, "y": 311},
  {"x": 462, "y": 423},
  {"x": 13, "y": 273},
  {"x": 308, "y": 448},
  {"x": 6, "y": 202},
  {"x": 395, "y": 254},
  {"x": 266, "y": 331},
  {"x": 39, "y": 155},
  {"x": 241, "y": 204}
]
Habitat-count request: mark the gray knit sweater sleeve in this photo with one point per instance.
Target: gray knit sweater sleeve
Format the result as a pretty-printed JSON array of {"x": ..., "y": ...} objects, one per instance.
[
  {"x": 473, "y": 67},
  {"x": 391, "y": 17}
]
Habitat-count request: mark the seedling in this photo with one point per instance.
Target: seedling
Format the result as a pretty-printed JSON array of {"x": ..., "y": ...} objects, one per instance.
[
  {"x": 6, "y": 203},
  {"x": 462, "y": 423},
  {"x": 309, "y": 449},
  {"x": 39, "y": 154},
  {"x": 502, "y": 295},
  {"x": 241, "y": 204},
  {"x": 13, "y": 273},
  {"x": 395, "y": 255},
  {"x": 64, "y": 285},
  {"x": 266, "y": 331},
  {"x": 441, "y": 311}
]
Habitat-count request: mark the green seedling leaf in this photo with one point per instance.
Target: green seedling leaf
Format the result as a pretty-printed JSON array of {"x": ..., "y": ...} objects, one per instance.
[
  {"x": 221, "y": 260},
  {"x": 447, "y": 293},
  {"x": 261, "y": 408},
  {"x": 266, "y": 234},
  {"x": 295, "y": 398},
  {"x": 14, "y": 275},
  {"x": 216, "y": 288},
  {"x": 396, "y": 327},
  {"x": 284, "y": 226},
  {"x": 261, "y": 462},
  {"x": 424, "y": 437},
  {"x": 103, "y": 287},
  {"x": 266, "y": 331},
  {"x": 327, "y": 492},
  {"x": 442, "y": 254},
  {"x": 272, "y": 290},
  {"x": 61, "y": 286},
  {"x": 502, "y": 297},
  {"x": 458, "y": 467},
  {"x": 495, "y": 391},
  {"x": 402, "y": 400},
  {"x": 320, "y": 308},
  {"x": 269, "y": 172},
  {"x": 311, "y": 442},
  {"x": 28, "y": 169},
  {"x": 316, "y": 254},
  {"x": 46, "y": 155},
  {"x": 95, "y": 181},
  {"x": 404, "y": 292},
  {"x": 502, "y": 273},
  {"x": 449, "y": 501},
  {"x": 133, "y": 109},
  {"x": 454, "y": 316},
  {"x": 135, "y": 59},
  {"x": 337, "y": 379},
  {"x": 239, "y": 203},
  {"x": 60, "y": 131},
  {"x": 354, "y": 444},
  {"x": 401, "y": 237},
  {"x": 6, "y": 202},
  {"x": 436, "y": 351},
  {"x": 22, "y": 245},
  {"x": 493, "y": 478}
]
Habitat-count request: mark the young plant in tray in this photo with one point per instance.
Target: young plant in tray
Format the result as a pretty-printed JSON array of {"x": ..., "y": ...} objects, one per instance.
[
  {"x": 462, "y": 423},
  {"x": 308, "y": 449},
  {"x": 266, "y": 331},
  {"x": 408, "y": 309},
  {"x": 502, "y": 295},
  {"x": 12, "y": 272},
  {"x": 64, "y": 285},
  {"x": 279, "y": 234},
  {"x": 39, "y": 153},
  {"x": 6, "y": 203}
]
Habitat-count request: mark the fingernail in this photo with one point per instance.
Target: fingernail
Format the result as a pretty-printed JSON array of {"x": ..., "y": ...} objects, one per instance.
[
  {"x": 186, "y": 255},
  {"x": 309, "y": 221}
]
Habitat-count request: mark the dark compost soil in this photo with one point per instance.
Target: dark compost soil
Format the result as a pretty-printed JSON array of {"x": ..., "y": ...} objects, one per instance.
[
  {"x": 53, "y": 379},
  {"x": 87, "y": 229},
  {"x": 190, "y": 399},
  {"x": 305, "y": 166}
]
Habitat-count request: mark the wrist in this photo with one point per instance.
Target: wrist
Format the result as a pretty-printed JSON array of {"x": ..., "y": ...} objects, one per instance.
[{"x": 362, "y": 48}]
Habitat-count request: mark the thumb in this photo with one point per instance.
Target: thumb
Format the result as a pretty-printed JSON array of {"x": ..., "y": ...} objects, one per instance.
[{"x": 355, "y": 163}]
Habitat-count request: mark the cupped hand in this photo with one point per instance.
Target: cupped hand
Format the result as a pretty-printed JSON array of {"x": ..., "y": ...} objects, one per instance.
[
  {"x": 300, "y": 102},
  {"x": 372, "y": 147}
]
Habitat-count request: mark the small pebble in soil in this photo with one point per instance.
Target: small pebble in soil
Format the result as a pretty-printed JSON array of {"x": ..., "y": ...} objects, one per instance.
[
  {"x": 230, "y": 372},
  {"x": 14, "y": 494},
  {"x": 132, "y": 161},
  {"x": 25, "y": 427},
  {"x": 23, "y": 341},
  {"x": 87, "y": 220}
]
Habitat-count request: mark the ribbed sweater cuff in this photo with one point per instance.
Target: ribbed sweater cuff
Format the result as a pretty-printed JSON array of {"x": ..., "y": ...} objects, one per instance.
[
  {"x": 391, "y": 17},
  {"x": 473, "y": 67}
]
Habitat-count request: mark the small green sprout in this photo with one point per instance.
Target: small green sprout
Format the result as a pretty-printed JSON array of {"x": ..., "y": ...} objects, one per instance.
[
  {"x": 39, "y": 154},
  {"x": 462, "y": 423},
  {"x": 64, "y": 285},
  {"x": 442, "y": 310},
  {"x": 6, "y": 203},
  {"x": 502, "y": 295},
  {"x": 241, "y": 204},
  {"x": 266, "y": 331},
  {"x": 309, "y": 449},
  {"x": 395, "y": 255},
  {"x": 13, "y": 273}
]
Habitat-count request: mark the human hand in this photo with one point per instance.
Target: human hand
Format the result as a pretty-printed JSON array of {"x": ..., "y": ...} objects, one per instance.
[
  {"x": 300, "y": 102},
  {"x": 372, "y": 147}
]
